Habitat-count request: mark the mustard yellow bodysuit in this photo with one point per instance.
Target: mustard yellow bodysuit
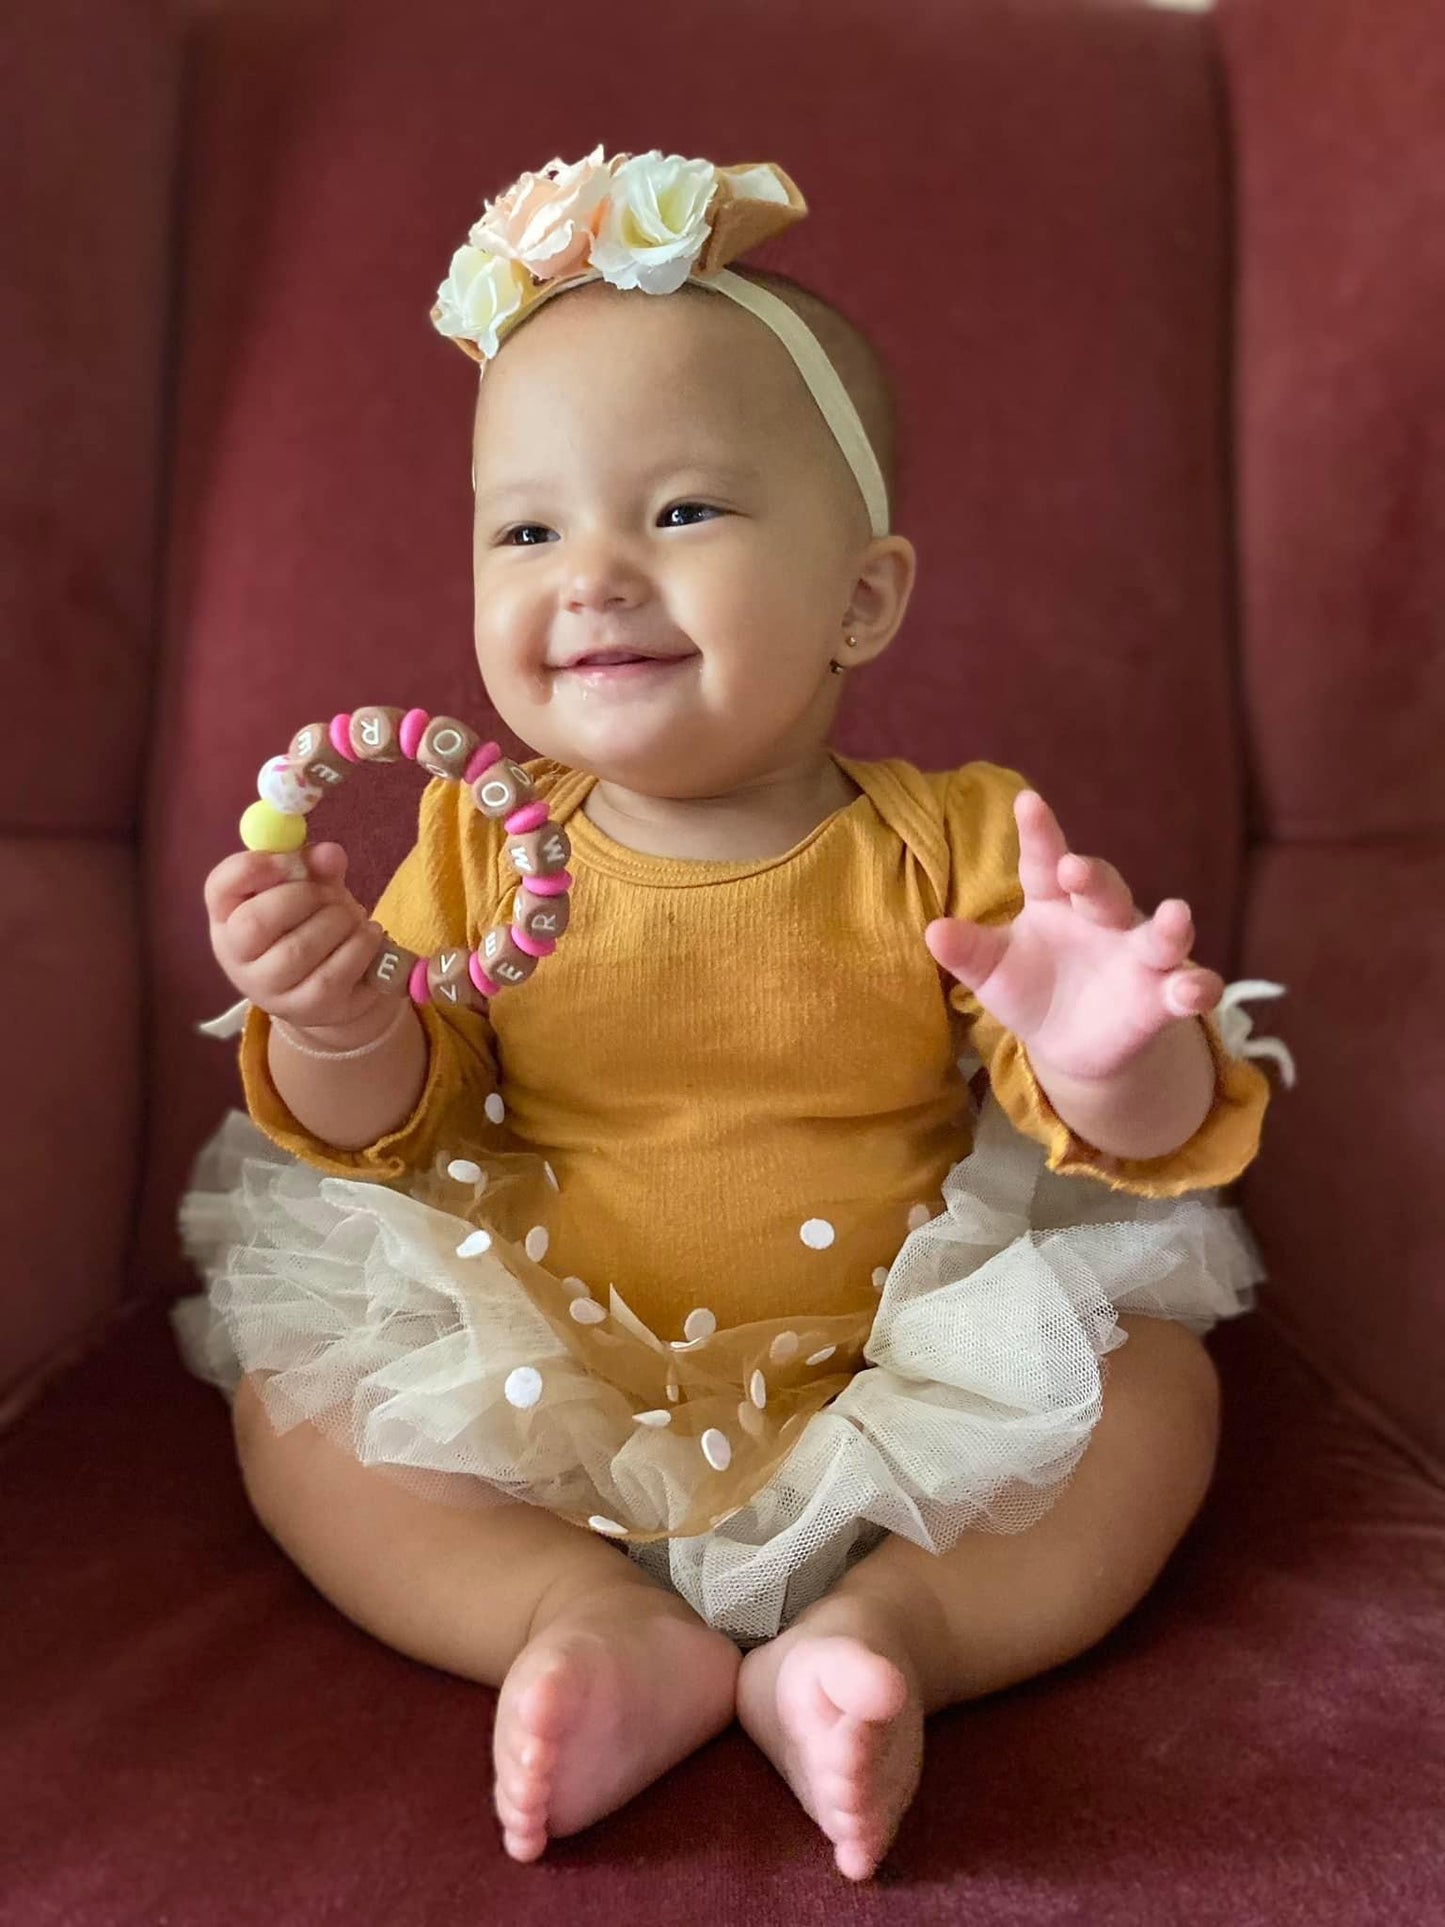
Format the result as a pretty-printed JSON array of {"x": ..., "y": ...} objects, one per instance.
[{"x": 721, "y": 1053}]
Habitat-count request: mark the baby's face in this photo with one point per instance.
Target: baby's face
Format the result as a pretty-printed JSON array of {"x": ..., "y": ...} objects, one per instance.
[{"x": 652, "y": 474}]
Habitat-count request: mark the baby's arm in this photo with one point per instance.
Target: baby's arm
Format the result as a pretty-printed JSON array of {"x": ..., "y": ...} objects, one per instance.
[{"x": 352, "y": 1101}]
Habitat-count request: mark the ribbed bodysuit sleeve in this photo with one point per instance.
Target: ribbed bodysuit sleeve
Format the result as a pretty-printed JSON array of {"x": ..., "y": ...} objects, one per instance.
[
  {"x": 984, "y": 887},
  {"x": 434, "y": 901}
]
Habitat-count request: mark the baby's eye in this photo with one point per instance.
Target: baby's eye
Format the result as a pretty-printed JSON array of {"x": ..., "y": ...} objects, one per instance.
[
  {"x": 679, "y": 508},
  {"x": 525, "y": 528}
]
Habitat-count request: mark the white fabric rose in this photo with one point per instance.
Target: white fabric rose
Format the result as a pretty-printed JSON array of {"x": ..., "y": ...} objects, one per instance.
[
  {"x": 654, "y": 224},
  {"x": 480, "y": 294}
]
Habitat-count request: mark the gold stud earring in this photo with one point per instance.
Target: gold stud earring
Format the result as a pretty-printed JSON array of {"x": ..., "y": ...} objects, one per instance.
[{"x": 837, "y": 667}]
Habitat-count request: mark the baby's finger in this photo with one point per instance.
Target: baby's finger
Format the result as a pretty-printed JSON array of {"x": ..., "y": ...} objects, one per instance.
[
  {"x": 1163, "y": 940},
  {"x": 294, "y": 955},
  {"x": 1189, "y": 993},
  {"x": 1041, "y": 846},
  {"x": 1098, "y": 891},
  {"x": 327, "y": 984},
  {"x": 246, "y": 874},
  {"x": 968, "y": 951}
]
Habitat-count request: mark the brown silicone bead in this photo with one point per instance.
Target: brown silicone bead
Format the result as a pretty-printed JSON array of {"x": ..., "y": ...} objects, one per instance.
[
  {"x": 317, "y": 758},
  {"x": 503, "y": 788},
  {"x": 540, "y": 853},
  {"x": 446, "y": 747},
  {"x": 543, "y": 917},
  {"x": 450, "y": 981},
  {"x": 503, "y": 962},
  {"x": 375, "y": 733},
  {"x": 390, "y": 969}
]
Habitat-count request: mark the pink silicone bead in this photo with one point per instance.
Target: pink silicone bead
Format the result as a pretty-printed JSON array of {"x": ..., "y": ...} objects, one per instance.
[
  {"x": 412, "y": 725},
  {"x": 534, "y": 946},
  {"x": 530, "y": 817},
  {"x": 416, "y": 984},
  {"x": 479, "y": 976},
  {"x": 552, "y": 886},
  {"x": 340, "y": 734},
  {"x": 482, "y": 758}
]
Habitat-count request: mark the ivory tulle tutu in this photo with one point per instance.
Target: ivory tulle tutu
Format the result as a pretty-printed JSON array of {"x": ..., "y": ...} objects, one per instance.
[{"x": 747, "y": 1467}]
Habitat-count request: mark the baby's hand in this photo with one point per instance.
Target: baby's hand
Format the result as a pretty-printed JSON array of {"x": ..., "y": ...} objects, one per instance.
[
  {"x": 1080, "y": 976},
  {"x": 292, "y": 937}
]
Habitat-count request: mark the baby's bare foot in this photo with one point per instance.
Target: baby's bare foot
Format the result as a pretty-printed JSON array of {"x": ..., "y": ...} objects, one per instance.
[
  {"x": 616, "y": 1686},
  {"x": 843, "y": 1724}
]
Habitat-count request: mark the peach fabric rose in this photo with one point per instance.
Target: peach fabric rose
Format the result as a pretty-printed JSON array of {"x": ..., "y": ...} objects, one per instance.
[{"x": 546, "y": 220}]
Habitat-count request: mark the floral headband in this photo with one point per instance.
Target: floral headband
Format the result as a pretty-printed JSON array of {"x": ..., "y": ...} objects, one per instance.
[{"x": 650, "y": 222}]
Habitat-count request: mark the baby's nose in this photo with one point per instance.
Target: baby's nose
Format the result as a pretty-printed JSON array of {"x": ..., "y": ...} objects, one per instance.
[{"x": 603, "y": 576}]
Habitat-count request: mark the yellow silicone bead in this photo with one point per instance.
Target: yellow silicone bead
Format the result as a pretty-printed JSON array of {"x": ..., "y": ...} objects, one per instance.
[{"x": 264, "y": 828}]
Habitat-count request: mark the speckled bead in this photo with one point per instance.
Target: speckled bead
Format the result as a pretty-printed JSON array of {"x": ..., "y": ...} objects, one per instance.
[
  {"x": 504, "y": 788},
  {"x": 446, "y": 747},
  {"x": 502, "y": 959},
  {"x": 390, "y": 969},
  {"x": 316, "y": 757},
  {"x": 540, "y": 852},
  {"x": 449, "y": 981},
  {"x": 543, "y": 917},
  {"x": 375, "y": 733}
]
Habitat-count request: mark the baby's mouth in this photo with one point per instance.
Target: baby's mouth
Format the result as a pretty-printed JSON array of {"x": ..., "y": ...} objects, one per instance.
[{"x": 625, "y": 665}]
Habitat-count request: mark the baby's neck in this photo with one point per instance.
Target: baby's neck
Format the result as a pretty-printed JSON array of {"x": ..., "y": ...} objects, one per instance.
[{"x": 762, "y": 819}]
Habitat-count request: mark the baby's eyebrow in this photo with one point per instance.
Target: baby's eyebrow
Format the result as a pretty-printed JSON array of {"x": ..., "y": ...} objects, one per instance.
[{"x": 725, "y": 472}]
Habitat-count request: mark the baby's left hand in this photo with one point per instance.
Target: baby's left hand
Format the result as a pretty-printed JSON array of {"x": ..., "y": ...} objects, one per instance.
[{"x": 1079, "y": 976}]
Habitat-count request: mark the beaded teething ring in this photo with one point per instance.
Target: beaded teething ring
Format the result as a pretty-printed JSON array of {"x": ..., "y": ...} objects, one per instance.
[{"x": 319, "y": 759}]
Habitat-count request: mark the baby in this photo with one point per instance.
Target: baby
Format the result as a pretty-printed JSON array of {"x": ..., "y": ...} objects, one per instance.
[{"x": 803, "y": 1420}]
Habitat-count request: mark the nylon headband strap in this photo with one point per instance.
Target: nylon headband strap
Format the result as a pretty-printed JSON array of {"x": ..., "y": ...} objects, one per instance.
[{"x": 824, "y": 383}]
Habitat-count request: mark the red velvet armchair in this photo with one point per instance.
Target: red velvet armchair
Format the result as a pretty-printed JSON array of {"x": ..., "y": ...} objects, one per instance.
[{"x": 1163, "y": 290}]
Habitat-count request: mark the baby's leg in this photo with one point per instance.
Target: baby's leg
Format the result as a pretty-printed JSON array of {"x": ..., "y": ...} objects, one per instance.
[
  {"x": 607, "y": 1679},
  {"x": 838, "y": 1700}
]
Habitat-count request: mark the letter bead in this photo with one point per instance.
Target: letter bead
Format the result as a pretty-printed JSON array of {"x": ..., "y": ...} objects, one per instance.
[
  {"x": 449, "y": 981},
  {"x": 503, "y": 788},
  {"x": 317, "y": 759},
  {"x": 541, "y": 852},
  {"x": 503, "y": 961},
  {"x": 390, "y": 969},
  {"x": 446, "y": 747},
  {"x": 543, "y": 917},
  {"x": 375, "y": 733}
]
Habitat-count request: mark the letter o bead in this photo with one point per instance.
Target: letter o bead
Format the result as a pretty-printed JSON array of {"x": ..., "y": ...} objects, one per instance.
[
  {"x": 317, "y": 758},
  {"x": 540, "y": 853},
  {"x": 542, "y": 917},
  {"x": 375, "y": 733},
  {"x": 503, "y": 788},
  {"x": 390, "y": 969},
  {"x": 449, "y": 981},
  {"x": 446, "y": 747},
  {"x": 503, "y": 960}
]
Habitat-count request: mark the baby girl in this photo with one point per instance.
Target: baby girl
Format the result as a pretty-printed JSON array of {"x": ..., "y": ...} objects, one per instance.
[{"x": 693, "y": 1330}]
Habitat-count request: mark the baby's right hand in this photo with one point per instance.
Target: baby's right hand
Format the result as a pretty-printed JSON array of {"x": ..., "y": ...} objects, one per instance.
[{"x": 296, "y": 948}]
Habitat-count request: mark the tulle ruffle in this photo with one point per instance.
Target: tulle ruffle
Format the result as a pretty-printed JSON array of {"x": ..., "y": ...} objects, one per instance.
[{"x": 746, "y": 1467}]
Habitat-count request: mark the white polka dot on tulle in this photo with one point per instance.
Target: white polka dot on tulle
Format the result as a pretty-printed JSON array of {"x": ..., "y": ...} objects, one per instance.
[
  {"x": 751, "y": 1420},
  {"x": 551, "y": 1175},
  {"x": 658, "y": 1417},
  {"x": 576, "y": 1288},
  {"x": 536, "y": 1242},
  {"x": 600, "y": 1522},
  {"x": 817, "y": 1234},
  {"x": 495, "y": 1109},
  {"x": 784, "y": 1347},
  {"x": 699, "y": 1324},
  {"x": 758, "y": 1390},
  {"x": 880, "y": 1277},
  {"x": 672, "y": 1393},
  {"x": 473, "y": 1243},
  {"x": 523, "y": 1386},
  {"x": 918, "y": 1215},
  {"x": 715, "y": 1449},
  {"x": 816, "y": 1358},
  {"x": 464, "y": 1171},
  {"x": 586, "y": 1311}
]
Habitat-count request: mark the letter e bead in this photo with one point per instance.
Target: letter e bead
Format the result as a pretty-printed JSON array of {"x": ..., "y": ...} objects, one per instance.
[
  {"x": 390, "y": 969},
  {"x": 503, "y": 960}
]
